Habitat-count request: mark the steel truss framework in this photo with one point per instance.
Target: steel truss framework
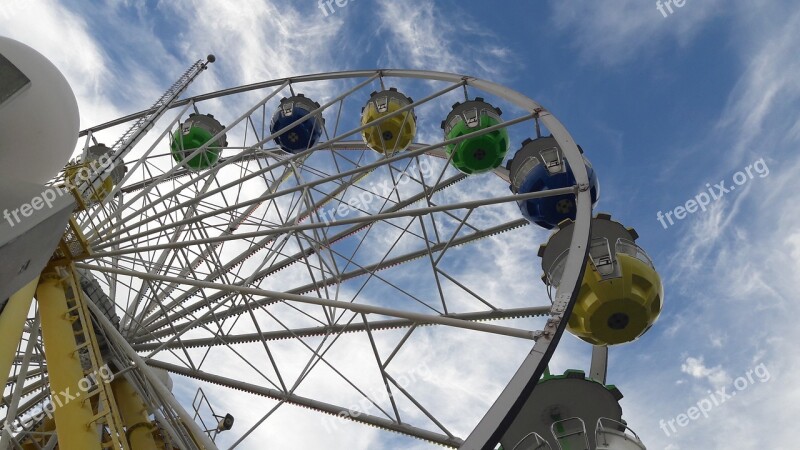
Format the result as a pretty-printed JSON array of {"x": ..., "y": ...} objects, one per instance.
[{"x": 279, "y": 265}]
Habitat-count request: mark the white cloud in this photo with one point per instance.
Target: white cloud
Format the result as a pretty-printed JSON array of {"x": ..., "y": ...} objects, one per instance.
[
  {"x": 58, "y": 33},
  {"x": 258, "y": 40},
  {"x": 695, "y": 367}
]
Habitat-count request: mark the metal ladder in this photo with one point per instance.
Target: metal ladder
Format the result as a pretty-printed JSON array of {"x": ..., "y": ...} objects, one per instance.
[{"x": 87, "y": 350}]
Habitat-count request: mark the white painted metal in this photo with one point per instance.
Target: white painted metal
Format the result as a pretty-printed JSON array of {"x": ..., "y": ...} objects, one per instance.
[
  {"x": 190, "y": 256},
  {"x": 39, "y": 124}
]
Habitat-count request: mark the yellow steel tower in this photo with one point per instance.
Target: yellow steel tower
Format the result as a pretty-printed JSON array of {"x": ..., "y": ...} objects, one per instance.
[{"x": 72, "y": 388}]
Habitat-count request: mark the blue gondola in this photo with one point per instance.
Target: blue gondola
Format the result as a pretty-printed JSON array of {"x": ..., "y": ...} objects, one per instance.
[
  {"x": 302, "y": 136},
  {"x": 540, "y": 165}
]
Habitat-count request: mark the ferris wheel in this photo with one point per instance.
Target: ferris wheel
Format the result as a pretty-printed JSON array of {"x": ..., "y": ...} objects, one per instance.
[{"x": 318, "y": 242}]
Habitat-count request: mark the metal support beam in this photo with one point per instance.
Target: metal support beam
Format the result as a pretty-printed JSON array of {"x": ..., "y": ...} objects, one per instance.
[
  {"x": 355, "y": 307},
  {"x": 314, "y": 225},
  {"x": 339, "y": 328},
  {"x": 371, "y": 269},
  {"x": 200, "y": 438},
  {"x": 134, "y": 415},
  {"x": 12, "y": 321},
  {"x": 74, "y": 418},
  {"x": 599, "y": 368},
  {"x": 5, "y": 435},
  {"x": 381, "y": 422}
]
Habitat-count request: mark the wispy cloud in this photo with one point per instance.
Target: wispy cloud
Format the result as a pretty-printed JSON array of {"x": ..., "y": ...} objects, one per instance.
[
  {"x": 423, "y": 36},
  {"x": 734, "y": 265},
  {"x": 769, "y": 85},
  {"x": 615, "y": 33}
]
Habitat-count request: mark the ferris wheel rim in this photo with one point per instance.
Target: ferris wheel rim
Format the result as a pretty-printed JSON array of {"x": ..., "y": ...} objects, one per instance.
[{"x": 508, "y": 94}]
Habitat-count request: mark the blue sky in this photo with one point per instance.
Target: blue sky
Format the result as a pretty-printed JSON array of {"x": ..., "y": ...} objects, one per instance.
[{"x": 662, "y": 106}]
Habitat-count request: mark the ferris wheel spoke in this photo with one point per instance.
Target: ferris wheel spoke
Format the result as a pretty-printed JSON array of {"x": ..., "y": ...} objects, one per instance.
[
  {"x": 132, "y": 170},
  {"x": 176, "y": 236},
  {"x": 110, "y": 237},
  {"x": 323, "y": 330},
  {"x": 182, "y": 348},
  {"x": 261, "y": 142},
  {"x": 250, "y": 155},
  {"x": 241, "y": 357},
  {"x": 256, "y": 154},
  {"x": 317, "y": 357},
  {"x": 230, "y": 228},
  {"x": 357, "y": 220},
  {"x": 371, "y": 273},
  {"x": 253, "y": 248},
  {"x": 464, "y": 288},
  {"x": 306, "y": 402},
  {"x": 267, "y": 350},
  {"x": 177, "y": 167},
  {"x": 236, "y": 223},
  {"x": 381, "y": 368},
  {"x": 367, "y": 270},
  {"x": 252, "y": 207},
  {"x": 319, "y": 236},
  {"x": 433, "y": 264},
  {"x": 419, "y": 406},
  {"x": 355, "y": 307},
  {"x": 395, "y": 207},
  {"x": 275, "y": 252},
  {"x": 310, "y": 268},
  {"x": 211, "y": 249}
]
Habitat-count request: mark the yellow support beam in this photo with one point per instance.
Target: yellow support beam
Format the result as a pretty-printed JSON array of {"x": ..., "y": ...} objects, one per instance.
[
  {"x": 134, "y": 416},
  {"x": 12, "y": 321},
  {"x": 73, "y": 417},
  {"x": 105, "y": 407}
]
